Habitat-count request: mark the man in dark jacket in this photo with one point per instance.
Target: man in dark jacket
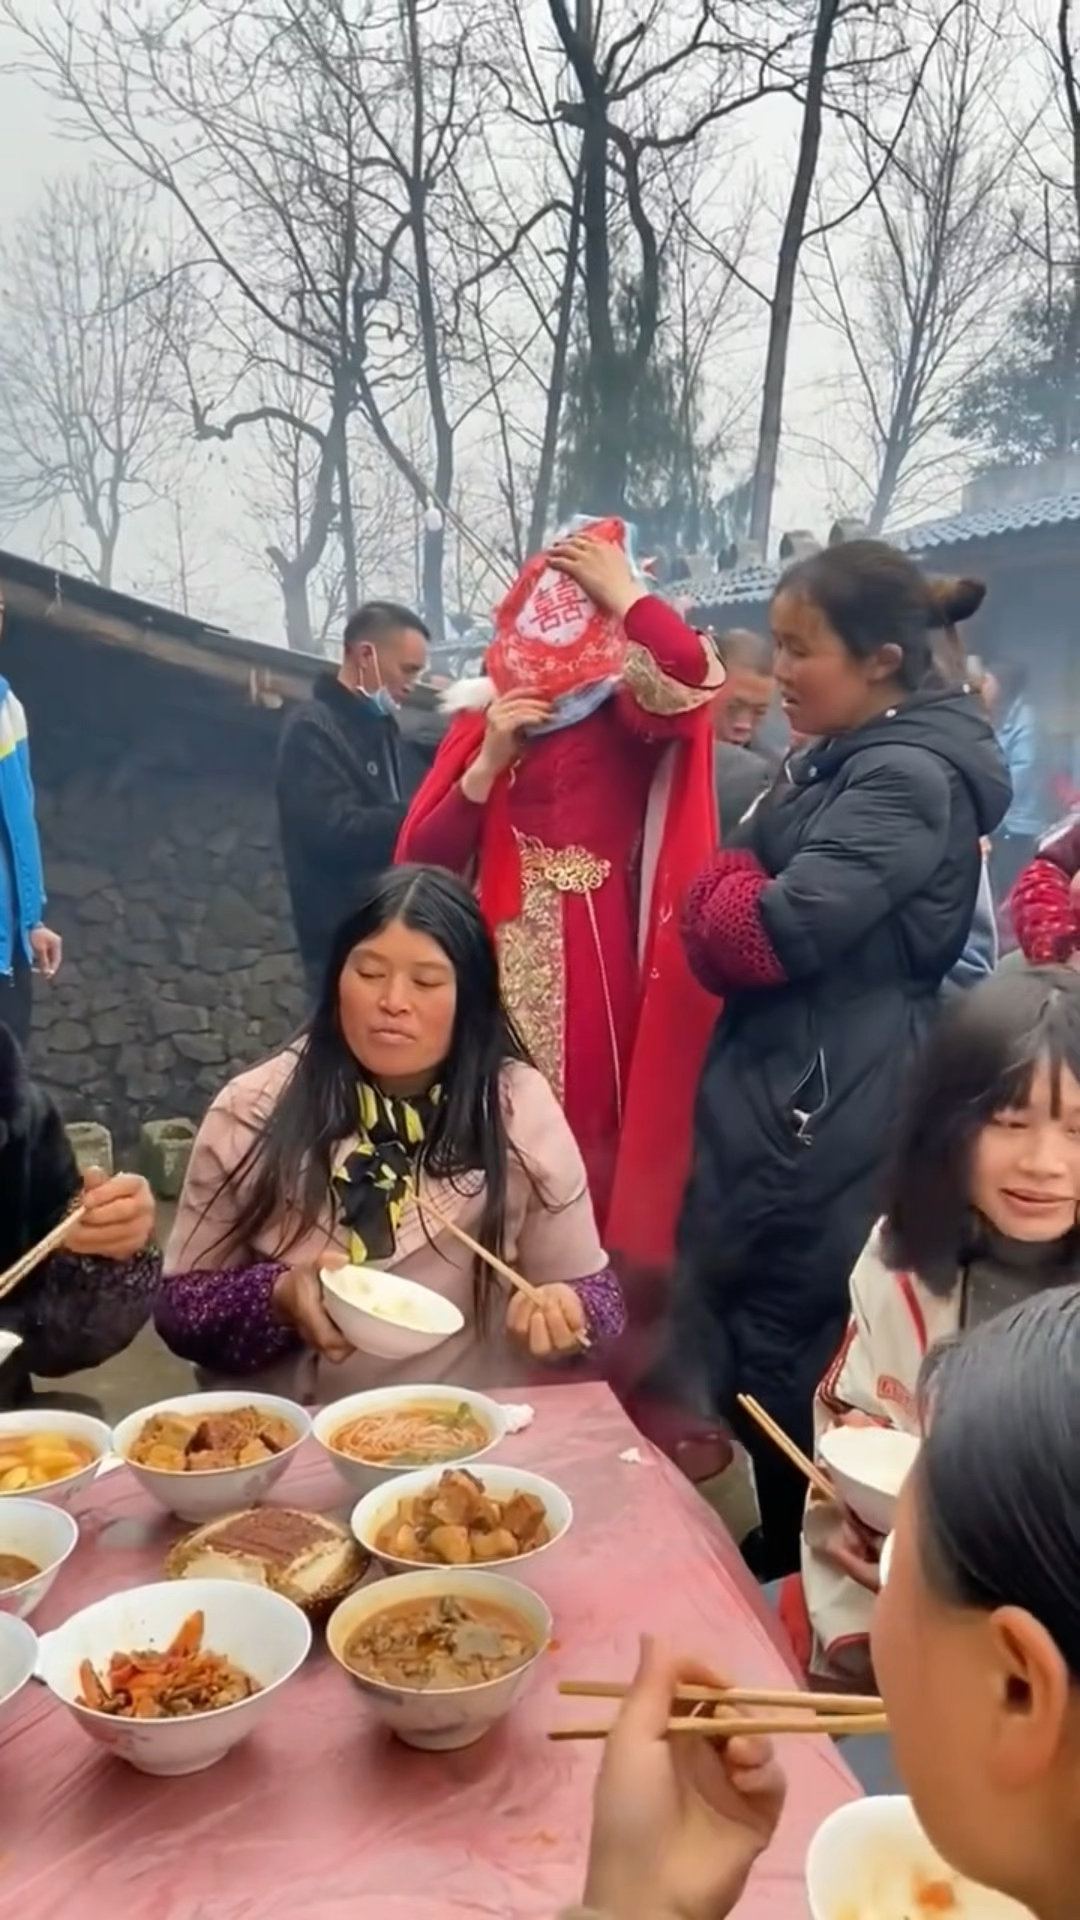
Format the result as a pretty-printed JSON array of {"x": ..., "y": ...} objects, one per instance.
[
  {"x": 339, "y": 778},
  {"x": 742, "y": 771}
]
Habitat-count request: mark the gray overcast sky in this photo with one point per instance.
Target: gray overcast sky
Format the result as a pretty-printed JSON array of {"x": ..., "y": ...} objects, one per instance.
[{"x": 233, "y": 591}]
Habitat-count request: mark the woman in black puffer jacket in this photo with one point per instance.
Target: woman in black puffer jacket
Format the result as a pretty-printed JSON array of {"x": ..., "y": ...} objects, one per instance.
[{"x": 827, "y": 930}]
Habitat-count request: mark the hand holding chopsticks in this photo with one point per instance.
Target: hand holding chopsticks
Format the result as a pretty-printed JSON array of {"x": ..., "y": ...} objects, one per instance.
[
  {"x": 515, "y": 1281},
  {"x": 713, "y": 1711},
  {"x": 49, "y": 1243},
  {"x": 677, "y": 1824}
]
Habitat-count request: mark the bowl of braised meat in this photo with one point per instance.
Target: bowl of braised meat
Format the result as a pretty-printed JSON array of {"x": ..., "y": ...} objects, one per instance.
[
  {"x": 475, "y": 1516},
  {"x": 203, "y": 1454}
]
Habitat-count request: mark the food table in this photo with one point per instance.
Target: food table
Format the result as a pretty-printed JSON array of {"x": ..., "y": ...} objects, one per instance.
[{"x": 321, "y": 1815}]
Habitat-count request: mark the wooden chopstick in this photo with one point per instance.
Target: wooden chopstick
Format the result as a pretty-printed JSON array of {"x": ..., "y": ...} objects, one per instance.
[
  {"x": 49, "y": 1242},
  {"x": 787, "y": 1446},
  {"x": 739, "y": 1726},
  {"x": 515, "y": 1281},
  {"x": 853, "y": 1704}
]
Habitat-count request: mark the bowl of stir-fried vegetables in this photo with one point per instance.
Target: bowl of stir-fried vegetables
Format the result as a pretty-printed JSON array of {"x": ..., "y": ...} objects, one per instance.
[{"x": 171, "y": 1677}]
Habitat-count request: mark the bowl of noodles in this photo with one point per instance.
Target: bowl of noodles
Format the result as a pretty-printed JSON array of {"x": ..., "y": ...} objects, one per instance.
[
  {"x": 372, "y": 1437},
  {"x": 386, "y": 1315}
]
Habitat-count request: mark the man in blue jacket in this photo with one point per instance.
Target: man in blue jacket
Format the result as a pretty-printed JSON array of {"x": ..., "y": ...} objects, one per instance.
[{"x": 25, "y": 941}]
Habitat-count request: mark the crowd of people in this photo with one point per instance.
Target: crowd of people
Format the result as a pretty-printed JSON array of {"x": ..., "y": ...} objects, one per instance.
[{"x": 629, "y": 990}]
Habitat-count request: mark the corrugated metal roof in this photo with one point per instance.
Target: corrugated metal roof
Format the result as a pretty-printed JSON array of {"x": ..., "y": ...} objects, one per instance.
[{"x": 752, "y": 585}]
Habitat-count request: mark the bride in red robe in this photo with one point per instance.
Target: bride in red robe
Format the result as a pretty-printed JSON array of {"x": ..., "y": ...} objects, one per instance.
[{"x": 582, "y": 820}]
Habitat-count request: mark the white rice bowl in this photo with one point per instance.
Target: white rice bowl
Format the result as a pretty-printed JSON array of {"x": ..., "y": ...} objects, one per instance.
[
  {"x": 868, "y": 1467},
  {"x": 868, "y": 1860},
  {"x": 385, "y": 1315}
]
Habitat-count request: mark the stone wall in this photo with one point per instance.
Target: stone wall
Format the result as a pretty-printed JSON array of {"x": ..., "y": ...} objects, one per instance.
[{"x": 156, "y": 808}]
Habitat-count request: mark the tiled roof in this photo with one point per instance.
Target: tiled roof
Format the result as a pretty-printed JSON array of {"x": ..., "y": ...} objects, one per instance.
[{"x": 754, "y": 584}]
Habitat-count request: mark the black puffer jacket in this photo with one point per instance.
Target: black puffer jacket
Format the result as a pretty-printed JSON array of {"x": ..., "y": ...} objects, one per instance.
[
  {"x": 873, "y": 839},
  {"x": 340, "y": 805},
  {"x": 73, "y": 1311}
]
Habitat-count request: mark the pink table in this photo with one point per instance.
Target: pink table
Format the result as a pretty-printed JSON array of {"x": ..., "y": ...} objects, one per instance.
[{"x": 321, "y": 1816}]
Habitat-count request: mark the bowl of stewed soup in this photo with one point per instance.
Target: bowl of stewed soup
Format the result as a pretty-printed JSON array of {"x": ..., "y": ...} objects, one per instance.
[
  {"x": 35, "y": 1541},
  {"x": 441, "y": 1656},
  {"x": 371, "y": 1437},
  {"x": 49, "y": 1455},
  {"x": 386, "y": 1315}
]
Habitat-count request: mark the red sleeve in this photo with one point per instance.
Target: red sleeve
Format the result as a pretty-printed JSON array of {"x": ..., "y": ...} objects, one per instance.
[
  {"x": 1043, "y": 914},
  {"x": 726, "y": 943},
  {"x": 448, "y": 836},
  {"x": 678, "y": 652}
]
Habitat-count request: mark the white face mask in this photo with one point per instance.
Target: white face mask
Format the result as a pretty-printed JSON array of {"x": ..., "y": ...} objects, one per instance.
[{"x": 382, "y": 699}]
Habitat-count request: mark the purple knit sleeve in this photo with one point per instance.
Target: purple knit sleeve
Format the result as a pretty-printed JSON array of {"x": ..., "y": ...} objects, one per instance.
[
  {"x": 222, "y": 1321},
  {"x": 605, "y": 1308}
]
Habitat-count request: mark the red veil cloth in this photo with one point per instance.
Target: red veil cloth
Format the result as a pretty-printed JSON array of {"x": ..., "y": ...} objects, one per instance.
[{"x": 675, "y": 1016}]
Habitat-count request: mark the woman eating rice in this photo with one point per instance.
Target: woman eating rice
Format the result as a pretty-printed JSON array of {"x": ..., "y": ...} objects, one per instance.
[{"x": 410, "y": 1076}]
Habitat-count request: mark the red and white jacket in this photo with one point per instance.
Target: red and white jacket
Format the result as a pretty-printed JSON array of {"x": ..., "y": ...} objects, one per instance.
[{"x": 894, "y": 1322}]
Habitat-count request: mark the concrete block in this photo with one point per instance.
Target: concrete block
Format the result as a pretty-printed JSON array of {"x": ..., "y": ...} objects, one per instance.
[
  {"x": 92, "y": 1145},
  {"x": 164, "y": 1151}
]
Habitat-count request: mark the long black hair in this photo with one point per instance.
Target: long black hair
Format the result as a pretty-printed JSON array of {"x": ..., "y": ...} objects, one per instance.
[
  {"x": 291, "y": 1160},
  {"x": 997, "y": 1481},
  {"x": 979, "y": 1061}
]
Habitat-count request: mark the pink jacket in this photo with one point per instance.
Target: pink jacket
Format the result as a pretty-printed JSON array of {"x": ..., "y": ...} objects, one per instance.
[{"x": 550, "y": 1232}]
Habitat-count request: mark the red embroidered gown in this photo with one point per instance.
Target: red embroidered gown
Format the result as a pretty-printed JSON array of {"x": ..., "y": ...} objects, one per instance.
[{"x": 617, "y": 806}]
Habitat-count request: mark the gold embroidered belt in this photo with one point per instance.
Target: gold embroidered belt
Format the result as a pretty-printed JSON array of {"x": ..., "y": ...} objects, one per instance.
[{"x": 532, "y": 950}]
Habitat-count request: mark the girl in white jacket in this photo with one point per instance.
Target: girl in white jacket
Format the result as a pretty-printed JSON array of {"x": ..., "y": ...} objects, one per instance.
[{"x": 983, "y": 1214}]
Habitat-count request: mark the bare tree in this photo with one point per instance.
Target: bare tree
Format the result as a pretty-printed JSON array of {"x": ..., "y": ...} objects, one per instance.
[
  {"x": 90, "y": 306},
  {"x": 307, "y": 147},
  {"x": 625, "y": 98},
  {"x": 851, "y": 74},
  {"x": 937, "y": 260}
]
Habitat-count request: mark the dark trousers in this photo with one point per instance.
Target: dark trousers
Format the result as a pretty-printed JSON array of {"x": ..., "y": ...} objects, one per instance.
[{"x": 17, "y": 1001}]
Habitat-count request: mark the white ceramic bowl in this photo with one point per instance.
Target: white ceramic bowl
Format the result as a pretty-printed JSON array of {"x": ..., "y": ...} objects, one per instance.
[
  {"x": 264, "y": 1634},
  {"x": 428, "y": 1318},
  {"x": 18, "y": 1656},
  {"x": 45, "y": 1534},
  {"x": 80, "y": 1426},
  {"x": 868, "y": 1466},
  {"x": 377, "y": 1507},
  {"x": 202, "y": 1496},
  {"x": 360, "y": 1476},
  {"x": 440, "y": 1719},
  {"x": 870, "y": 1856}
]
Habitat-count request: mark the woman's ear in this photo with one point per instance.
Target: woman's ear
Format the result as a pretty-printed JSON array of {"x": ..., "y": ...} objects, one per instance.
[
  {"x": 1032, "y": 1696},
  {"x": 885, "y": 664}
]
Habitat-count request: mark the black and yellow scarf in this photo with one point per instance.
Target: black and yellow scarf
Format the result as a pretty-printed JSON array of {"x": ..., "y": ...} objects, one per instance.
[{"x": 378, "y": 1175}]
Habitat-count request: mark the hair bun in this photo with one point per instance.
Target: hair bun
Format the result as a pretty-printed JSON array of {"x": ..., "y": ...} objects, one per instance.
[{"x": 952, "y": 601}]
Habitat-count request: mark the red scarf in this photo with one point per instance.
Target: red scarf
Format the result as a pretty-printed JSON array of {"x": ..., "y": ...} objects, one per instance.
[{"x": 676, "y": 1015}]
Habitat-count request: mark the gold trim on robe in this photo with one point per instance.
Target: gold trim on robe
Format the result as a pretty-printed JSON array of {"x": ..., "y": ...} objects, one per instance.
[
  {"x": 656, "y": 692},
  {"x": 532, "y": 951}
]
